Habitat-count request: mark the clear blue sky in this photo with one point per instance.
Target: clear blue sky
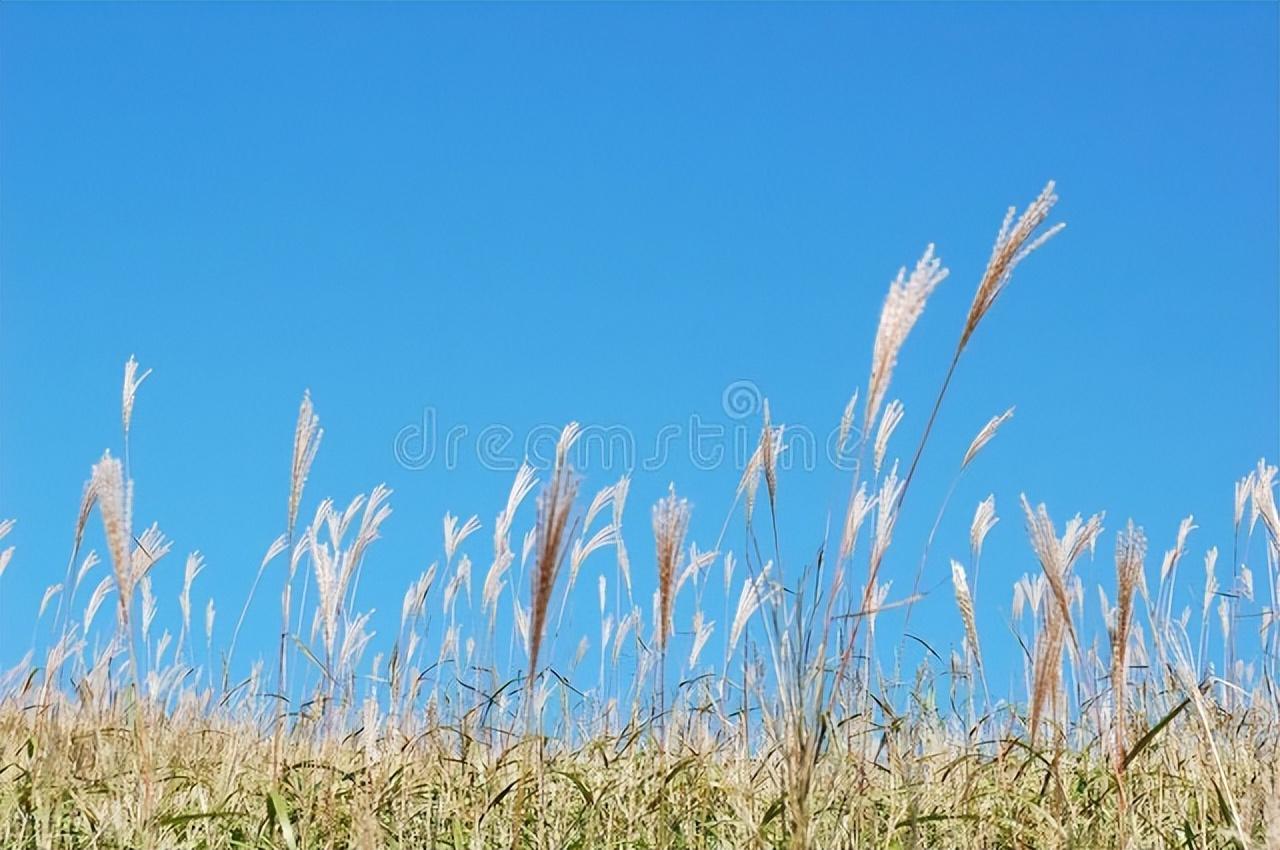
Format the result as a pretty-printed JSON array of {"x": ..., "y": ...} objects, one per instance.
[{"x": 530, "y": 214}]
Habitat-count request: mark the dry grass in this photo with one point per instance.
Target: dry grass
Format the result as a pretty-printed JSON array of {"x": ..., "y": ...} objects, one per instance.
[{"x": 791, "y": 736}]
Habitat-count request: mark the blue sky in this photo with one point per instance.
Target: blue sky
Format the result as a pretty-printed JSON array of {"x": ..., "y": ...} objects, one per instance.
[{"x": 522, "y": 215}]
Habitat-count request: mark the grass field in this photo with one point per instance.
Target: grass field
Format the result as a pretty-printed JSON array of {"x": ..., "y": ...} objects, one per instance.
[{"x": 784, "y": 732}]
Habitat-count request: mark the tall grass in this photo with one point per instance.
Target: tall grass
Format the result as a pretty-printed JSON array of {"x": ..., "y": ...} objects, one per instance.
[{"x": 795, "y": 736}]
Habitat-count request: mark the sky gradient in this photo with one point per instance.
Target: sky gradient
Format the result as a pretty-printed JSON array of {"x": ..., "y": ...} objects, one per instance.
[{"x": 521, "y": 215}]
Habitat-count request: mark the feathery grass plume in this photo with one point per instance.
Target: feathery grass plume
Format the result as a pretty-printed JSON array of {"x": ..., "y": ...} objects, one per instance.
[
  {"x": 7, "y": 555},
  {"x": 1014, "y": 243},
  {"x": 584, "y": 547},
  {"x": 846, "y": 425},
  {"x": 888, "y": 422},
  {"x": 555, "y": 504},
  {"x": 151, "y": 546},
  {"x": 902, "y": 308},
  {"x": 670, "y": 523},
  {"x": 99, "y": 595},
  {"x": 964, "y": 602},
  {"x": 749, "y": 483},
  {"x": 701, "y": 634},
  {"x": 620, "y": 491},
  {"x": 49, "y": 593},
  {"x": 859, "y": 506},
  {"x": 132, "y": 380},
  {"x": 1264, "y": 503},
  {"x": 1131, "y": 551},
  {"x": 503, "y": 555},
  {"x": 194, "y": 566},
  {"x": 986, "y": 435},
  {"x": 306, "y": 442},
  {"x": 114, "y": 495},
  {"x": 454, "y": 536},
  {"x": 886, "y": 519},
  {"x": 90, "y": 561},
  {"x": 770, "y": 448},
  {"x": 115, "y": 500},
  {"x": 1056, "y": 560},
  {"x": 88, "y": 498},
  {"x": 984, "y": 519},
  {"x": 755, "y": 592}
]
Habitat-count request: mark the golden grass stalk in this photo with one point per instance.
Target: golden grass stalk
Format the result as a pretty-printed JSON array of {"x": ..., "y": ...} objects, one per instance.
[
  {"x": 555, "y": 505},
  {"x": 964, "y": 603},
  {"x": 1131, "y": 551},
  {"x": 986, "y": 435},
  {"x": 1013, "y": 244},
  {"x": 670, "y": 523},
  {"x": 306, "y": 442},
  {"x": 132, "y": 380},
  {"x": 902, "y": 309}
]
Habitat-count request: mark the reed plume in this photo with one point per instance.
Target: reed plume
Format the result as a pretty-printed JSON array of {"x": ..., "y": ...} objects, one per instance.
[
  {"x": 132, "y": 380},
  {"x": 1131, "y": 551},
  {"x": 902, "y": 309},
  {"x": 670, "y": 523},
  {"x": 964, "y": 602},
  {"x": 986, "y": 435},
  {"x": 555, "y": 505},
  {"x": 1056, "y": 556},
  {"x": 1013, "y": 244},
  {"x": 306, "y": 442}
]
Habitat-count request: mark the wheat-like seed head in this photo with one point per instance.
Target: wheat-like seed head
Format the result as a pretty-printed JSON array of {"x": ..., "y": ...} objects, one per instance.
[
  {"x": 132, "y": 380},
  {"x": 670, "y": 523},
  {"x": 1056, "y": 558},
  {"x": 152, "y": 545},
  {"x": 1264, "y": 503},
  {"x": 555, "y": 505},
  {"x": 1210, "y": 580},
  {"x": 984, "y": 519},
  {"x": 114, "y": 499},
  {"x": 846, "y": 424},
  {"x": 986, "y": 435},
  {"x": 1174, "y": 555},
  {"x": 5, "y": 556},
  {"x": 886, "y": 519},
  {"x": 859, "y": 506},
  {"x": 49, "y": 593},
  {"x": 306, "y": 442},
  {"x": 96, "y": 599},
  {"x": 701, "y": 634},
  {"x": 1131, "y": 551},
  {"x": 629, "y": 622},
  {"x": 194, "y": 566},
  {"x": 503, "y": 555},
  {"x": 454, "y": 536},
  {"x": 889, "y": 420},
  {"x": 755, "y": 591},
  {"x": 964, "y": 602},
  {"x": 90, "y": 561},
  {"x": 770, "y": 448},
  {"x": 1013, "y": 243},
  {"x": 902, "y": 308}
]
